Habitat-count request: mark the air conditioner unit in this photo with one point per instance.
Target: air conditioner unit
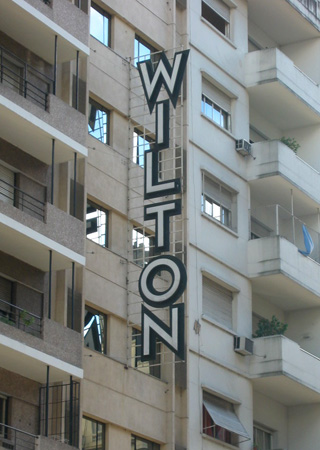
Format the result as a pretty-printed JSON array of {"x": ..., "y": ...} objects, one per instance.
[
  {"x": 243, "y": 345},
  {"x": 243, "y": 147}
]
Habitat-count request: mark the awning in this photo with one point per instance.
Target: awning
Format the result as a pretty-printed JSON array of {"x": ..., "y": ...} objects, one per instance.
[{"x": 225, "y": 418}]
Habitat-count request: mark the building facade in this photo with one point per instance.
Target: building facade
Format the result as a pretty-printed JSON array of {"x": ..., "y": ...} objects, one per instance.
[{"x": 76, "y": 135}]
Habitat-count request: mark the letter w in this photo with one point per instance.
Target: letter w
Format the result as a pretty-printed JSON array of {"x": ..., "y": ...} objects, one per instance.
[{"x": 170, "y": 77}]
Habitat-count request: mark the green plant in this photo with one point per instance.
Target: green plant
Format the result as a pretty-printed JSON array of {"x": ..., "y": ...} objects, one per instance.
[
  {"x": 26, "y": 321},
  {"x": 6, "y": 320},
  {"x": 271, "y": 327},
  {"x": 291, "y": 143}
]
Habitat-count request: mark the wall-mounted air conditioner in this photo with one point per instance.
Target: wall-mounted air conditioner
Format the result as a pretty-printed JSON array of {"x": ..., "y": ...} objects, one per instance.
[
  {"x": 243, "y": 147},
  {"x": 243, "y": 345}
]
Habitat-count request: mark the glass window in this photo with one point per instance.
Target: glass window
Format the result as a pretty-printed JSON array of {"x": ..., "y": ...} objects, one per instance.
[
  {"x": 93, "y": 434},
  {"x": 151, "y": 367},
  {"x": 215, "y": 113},
  {"x": 143, "y": 51},
  {"x": 95, "y": 330},
  {"x": 138, "y": 443},
  {"x": 100, "y": 24},
  {"x": 142, "y": 245},
  {"x": 3, "y": 414},
  {"x": 97, "y": 224},
  {"x": 218, "y": 202},
  {"x": 141, "y": 143},
  {"x": 262, "y": 438},
  {"x": 98, "y": 123},
  {"x": 217, "y": 14}
]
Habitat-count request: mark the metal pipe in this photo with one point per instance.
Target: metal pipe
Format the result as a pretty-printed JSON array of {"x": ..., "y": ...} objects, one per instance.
[
  {"x": 75, "y": 185},
  {"x": 77, "y": 82},
  {"x": 47, "y": 403},
  {"x": 52, "y": 171},
  {"x": 55, "y": 64},
  {"x": 71, "y": 413},
  {"x": 72, "y": 297},
  {"x": 50, "y": 283}
]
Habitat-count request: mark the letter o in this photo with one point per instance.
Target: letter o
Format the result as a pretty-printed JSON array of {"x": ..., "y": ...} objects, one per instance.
[{"x": 161, "y": 299}]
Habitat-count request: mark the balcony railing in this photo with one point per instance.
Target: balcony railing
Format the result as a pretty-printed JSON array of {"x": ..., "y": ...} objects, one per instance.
[
  {"x": 24, "y": 79},
  {"x": 21, "y": 200},
  {"x": 274, "y": 220},
  {"x": 15, "y": 439},
  {"x": 311, "y": 5},
  {"x": 20, "y": 318}
]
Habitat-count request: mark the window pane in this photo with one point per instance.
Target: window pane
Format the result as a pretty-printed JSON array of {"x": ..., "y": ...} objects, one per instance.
[
  {"x": 142, "y": 444},
  {"x": 143, "y": 247},
  {"x": 151, "y": 367},
  {"x": 98, "y": 122},
  {"x": 143, "y": 51},
  {"x": 97, "y": 224},
  {"x": 99, "y": 25},
  {"x": 92, "y": 435},
  {"x": 140, "y": 145},
  {"x": 95, "y": 328}
]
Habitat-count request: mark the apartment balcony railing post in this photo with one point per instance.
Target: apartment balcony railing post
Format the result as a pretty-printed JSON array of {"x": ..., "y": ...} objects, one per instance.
[
  {"x": 47, "y": 404},
  {"x": 55, "y": 64},
  {"x": 71, "y": 413},
  {"x": 25, "y": 81},
  {"x": 75, "y": 185},
  {"x": 72, "y": 296},
  {"x": 277, "y": 220},
  {"x": 50, "y": 283},
  {"x": 1, "y": 64},
  {"x": 52, "y": 171},
  {"x": 77, "y": 82}
]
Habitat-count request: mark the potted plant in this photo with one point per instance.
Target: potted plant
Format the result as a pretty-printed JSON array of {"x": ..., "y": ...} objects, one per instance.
[
  {"x": 271, "y": 327},
  {"x": 291, "y": 143}
]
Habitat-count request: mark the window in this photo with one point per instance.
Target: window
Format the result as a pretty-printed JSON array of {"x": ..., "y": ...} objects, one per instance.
[
  {"x": 218, "y": 202},
  {"x": 262, "y": 438},
  {"x": 142, "y": 245},
  {"x": 216, "y": 105},
  {"x": 217, "y": 13},
  {"x": 138, "y": 443},
  {"x": 100, "y": 24},
  {"x": 95, "y": 330},
  {"x": 217, "y": 302},
  {"x": 98, "y": 123},
  {"x": 144, "y": 51},
  {"x": 141, "y": 143},
  {"x": 7, "y": 183},
  {"x": 97, "y": 224},
  {"x": 93, "y": 434},
  {"x": 151, "y": 367},
  {"x": 3, "y": 415},
  {"x": 6, "y": 290},
  {"x": 220, "y": 421}
]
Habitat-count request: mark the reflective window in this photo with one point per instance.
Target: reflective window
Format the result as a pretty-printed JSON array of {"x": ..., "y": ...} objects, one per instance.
[
  {"x": 218, "y": 17},
  {"x": 151, "y": 367},
  {"x": 142, "y": 245},
  {"x": 93, "y": 434},
  {"x": 144, "y": 51},
  {"x": 215, "y": 113},
  {"x": 138, "y": 443},
  {"x": 3, "y": 414},
  {"x": 97, "y": 224},
  {"x": 100, "y": 24},
  {"x": 141, "y": 143},
  {"x": 262, "y": 438},
  {"x": 98, "y": 122},
  {"x": 95, "y": 330}
]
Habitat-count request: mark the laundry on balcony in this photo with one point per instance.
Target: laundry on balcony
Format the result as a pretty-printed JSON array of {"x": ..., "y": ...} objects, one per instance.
[{"x": 308, "y": 242}]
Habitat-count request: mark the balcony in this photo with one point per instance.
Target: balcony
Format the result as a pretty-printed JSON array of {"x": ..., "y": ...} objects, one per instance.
[
  {"x": 15, "y": 439},
  {"x": 287, "y": 21},
  {"x": 285, "y": 372},
  {"x": 290, "y": 98}
]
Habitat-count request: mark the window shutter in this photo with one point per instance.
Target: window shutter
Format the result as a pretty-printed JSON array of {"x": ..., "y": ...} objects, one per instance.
[
  {"x": 219, "y": 7},
  {"x": 6, "y": 185},
  {"x": 217, "y": 302},
  {"x": 217, "y": 192},
  {"x": 216, "y": 95}
]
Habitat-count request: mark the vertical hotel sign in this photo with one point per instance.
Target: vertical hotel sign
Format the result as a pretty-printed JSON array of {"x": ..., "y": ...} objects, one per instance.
[{"x": 170, "y": 77}]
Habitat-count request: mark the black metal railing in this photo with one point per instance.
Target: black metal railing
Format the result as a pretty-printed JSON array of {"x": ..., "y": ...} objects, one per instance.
[
  {"x": 22, "y": 200},
  {"x": 60, "y": 412},
  {"x": 24, "y": 79},
  {"x": 311, "y": 5},
  {"x": 15, "y": 439},
  {"x": 20, "y": 318}
]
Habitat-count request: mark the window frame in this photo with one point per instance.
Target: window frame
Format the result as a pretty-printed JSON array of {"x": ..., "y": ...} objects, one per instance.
[
  {"x": 152, "y": 367},
  {"x": 103, "y": 433},
  {"x": 228, "y": 215},
  {"x": 134, "y": 438},
  {"x": 137, "y": 157},
  {"x": 105, "y": 137},
  {"x": 144, "y": 235},
  {"x": 106, "y": 225},
  {"x": 225, "y": 116},
  {"x": 103, "y": 337},
  {"x": 106, "y": 16},
  {"x": 154, "y": 54},
  {"x": 265, "y": 431},
  {"x": 217, "y": 19}
]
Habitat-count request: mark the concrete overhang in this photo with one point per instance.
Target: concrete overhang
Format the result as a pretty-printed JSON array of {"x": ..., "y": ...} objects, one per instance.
[
  {"x": 33, "y": 248},
  {"x": 271, "y": 16},
  {"x": 284, "y": 95},
  {"x": 280, "y": 369},
  {"x": 276, "y": 171},
  {"x": 34, "y": 136},
  {"x": 34, "y": 30},
  {"x": 31, "y": 363},
  {"x": 280, "y": 274}
]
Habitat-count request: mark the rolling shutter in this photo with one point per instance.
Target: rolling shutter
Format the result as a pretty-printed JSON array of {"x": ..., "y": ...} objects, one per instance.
[
  {"x": 217, "y": 192},
  {"x": 219, "y": 7},
  {"x": 216, "y": 95},
  {"x": 217, "y": 302}
]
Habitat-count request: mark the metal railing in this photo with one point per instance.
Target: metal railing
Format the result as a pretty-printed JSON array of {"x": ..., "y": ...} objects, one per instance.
[
  {"x": 275, "y": 220},
  {"x": 311, "y": 5},
  {"x": 24, "y": 79},
  {"x": 20, "y": 318},
  {"x": 60, "y": 412},
  {"x": 22, "y": 200},
  {"x": 15, "y": 439}
]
